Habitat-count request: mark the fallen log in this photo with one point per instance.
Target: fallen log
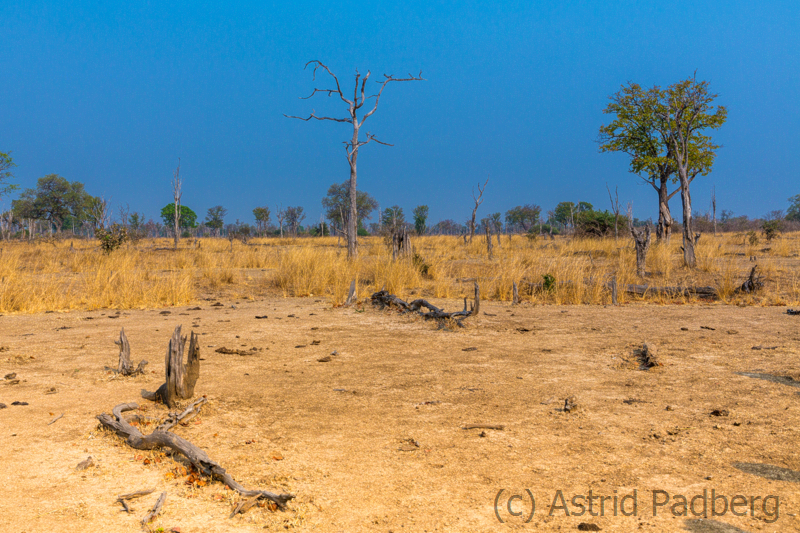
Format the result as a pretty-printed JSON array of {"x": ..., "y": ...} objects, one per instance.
[
  {"x": 180, "y": 378},
  {"x": 642, "y": 290},
  {"x": 164, "y": 439},
  {"x": 384, "y": 299},
  {"x": 155, "y": 510}
]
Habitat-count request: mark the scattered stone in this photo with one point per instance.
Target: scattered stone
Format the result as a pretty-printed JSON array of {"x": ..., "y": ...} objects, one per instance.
[
  {"x": 708, "y": 328},
  {"x": 83, "y": 465},
  {"x": 10, "y": 376},
  {"x": 720, "y": 412},
  {"x": 570, "y": 404},
  {"x": 585, "y": 526},
  {"x": 262, "y": 316},
  {"x": 300, "y": 346},
  {"x": 3, "y": 406},
  {"x": 194, "y": 309},
  {"x": 315, "y": 343},
  {"x": 165, "y": 313},
  {"x": 217, "y": 304},
  {"x": 51, "y": 390},
  {"x": 19, "y": 403},
  {"x": 732, "y": 332},
  {"x": 684, "y": 329},
  {"x": 669, "y": 408},
  {"x": 325, "y": 359},
  {"x": 334, "y": 352}
]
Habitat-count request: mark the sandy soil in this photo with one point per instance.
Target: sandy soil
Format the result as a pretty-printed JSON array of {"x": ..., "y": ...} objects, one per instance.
[{"x": 373, "y": 439}]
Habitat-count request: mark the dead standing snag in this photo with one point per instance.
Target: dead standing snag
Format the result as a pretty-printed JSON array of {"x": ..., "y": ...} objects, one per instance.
[
  {"x": 125, "y": 367},
  {"x": 180, "y": 378}
]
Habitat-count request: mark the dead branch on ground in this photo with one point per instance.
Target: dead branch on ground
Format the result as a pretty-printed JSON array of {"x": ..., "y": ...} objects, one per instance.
[
  {"x": 160, "y": 438},
  {"x": 384, "y": 299}
]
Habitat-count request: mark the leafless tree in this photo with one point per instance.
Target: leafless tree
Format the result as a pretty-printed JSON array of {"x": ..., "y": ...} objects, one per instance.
[
  {"x": 176, "y": 194},
  {"x": 352, "y": 146},
  {"x": 614, "y": 208},
  {"x": 478, "y": 201},
  {"x": 6, "y": 220},
  {"x": 714, "y": 207},
  {"x": 641, "y": 238},
  {"x": 281, "y": 217},
  {"x": 101, "y": 212}
]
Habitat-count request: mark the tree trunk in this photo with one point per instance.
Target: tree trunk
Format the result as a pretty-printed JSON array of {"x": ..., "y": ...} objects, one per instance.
[
  {"x": 352, "y": 220},
  {"x": 664, "y": 228},
  {"x": 180, "y": 378},
  {"x": 642, "y": 240},
  {"x": 689, "y": 258},
  {"x": 489, "y": 242}
]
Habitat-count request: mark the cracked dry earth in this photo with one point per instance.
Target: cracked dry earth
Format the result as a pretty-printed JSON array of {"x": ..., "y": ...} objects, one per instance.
[{"x": 372, "y": 439}]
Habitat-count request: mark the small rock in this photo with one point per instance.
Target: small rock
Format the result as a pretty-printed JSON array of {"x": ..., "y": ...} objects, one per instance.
[
  {"x": 732, "y": 332},
  {"x": 334, "y": 352},
  {"x": 570, "y": 404},
  {"x": 684, "y": 329},
  {"x": 83, "y": 465},
  {"x": 19, "y": 403},
  {"x": 325, "y": 359},
  {"x": 720, "y": 412},
  {"x": 165, "y": 313},
  {"x": 584, "y": 526},
  {"x": 11, "y": 375},
  {"x": 669, "y": 408}
]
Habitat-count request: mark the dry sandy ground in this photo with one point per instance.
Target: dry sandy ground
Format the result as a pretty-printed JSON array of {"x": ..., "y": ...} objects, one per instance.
[{"x": 373, "y": 439}]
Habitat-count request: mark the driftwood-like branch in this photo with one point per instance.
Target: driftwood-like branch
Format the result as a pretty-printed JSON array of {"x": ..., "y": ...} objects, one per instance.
[
  {"x": 123, "y": 498},
  {"x": 641, "y": 290},
  {"x": 173, "y": 419},
  {"x": 180, "y": 378},
  {"x": 155, "y": 510},
  {"x": 164, "y": 439},
  {"x": 384, "y": 299},
  {"x": 125, "y": 366}
]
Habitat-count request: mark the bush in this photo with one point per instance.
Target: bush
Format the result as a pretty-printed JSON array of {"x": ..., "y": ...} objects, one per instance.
[
  {"x": 593, "y": 223},
  {"x": 549, "y": 284},
  {"x": 771, "y": 228},
  {"x": 112, "y": 238}
]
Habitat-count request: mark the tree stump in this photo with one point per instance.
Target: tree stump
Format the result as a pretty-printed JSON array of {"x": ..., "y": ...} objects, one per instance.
[
  {"x": 401, "y": 243},
  {"x": 180, "y": 378},
  {"x": 488, "y": 241},
  {"x": 125, "y": 366},
  {"x": 642, "y": 240}
]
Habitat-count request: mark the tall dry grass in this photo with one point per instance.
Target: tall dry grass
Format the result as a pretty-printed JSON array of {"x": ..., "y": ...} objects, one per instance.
[{"x": 37, "y": 277}]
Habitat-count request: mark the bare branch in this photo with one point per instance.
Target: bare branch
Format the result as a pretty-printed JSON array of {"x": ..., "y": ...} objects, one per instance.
[
  {"x": 312, "y": 115},
  {"x": 318, "y": 64},
  {"x": 385, "y": 82}
]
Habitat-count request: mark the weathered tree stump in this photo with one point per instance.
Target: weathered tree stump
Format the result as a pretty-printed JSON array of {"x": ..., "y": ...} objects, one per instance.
[
  {"x": 180, "y": 378},
  {"x": 401, "y": 243},
  {"x": 125, "y": 366},
  {"x": 488, "y": 241},
  {"x": 753, "y": 282},
  {"x": 515, "y": 294},
  {"x": 642, "y": 240},
  {"x": 351, "y": 296}
]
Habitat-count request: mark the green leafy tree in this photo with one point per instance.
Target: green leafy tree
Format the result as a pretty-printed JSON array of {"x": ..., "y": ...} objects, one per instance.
[
  {"x": 215, "y": 218},
  {"x": 523, "y": 216},
  {"x": 337, "y": 205},
  {"x": 54, "y": 199},
  {"x": 261, "y": 215},
  {"x": 420, "y": 218},
  {"x": 294, "y": 217},
  {"x": 393, "y": 219},
  {"x": 188, "y": 217},
  {"x": 793, "y": 213},
  {"x": 6, "y": 164}
]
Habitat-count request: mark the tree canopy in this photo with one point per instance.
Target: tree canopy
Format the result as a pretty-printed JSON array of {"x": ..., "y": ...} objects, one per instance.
[
  {"x": 215, "y": 217},
  {"x": 420, "y": 218},
  {"x": 793, "y": 213},
  {"x": 188, "y": 217},
  {"x": 54, "y": 199},
  {"x": 337, "y": 204},
  {"x": 6, "y": 164},
  {"x": 523, "y": 216}
]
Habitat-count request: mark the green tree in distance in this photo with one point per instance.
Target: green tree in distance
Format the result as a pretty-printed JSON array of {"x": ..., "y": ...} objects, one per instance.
[
  {"x": 188, "y": 217},
  {"x": 420, "y": 218},
  {"x": 215, "y": 218}
]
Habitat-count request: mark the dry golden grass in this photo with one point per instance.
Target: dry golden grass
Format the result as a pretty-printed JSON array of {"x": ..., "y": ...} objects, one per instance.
[{"x": 36, "y": 277}]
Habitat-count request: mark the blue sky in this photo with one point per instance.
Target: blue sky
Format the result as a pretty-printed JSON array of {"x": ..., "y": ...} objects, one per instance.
[{"x": 112, "y": 95}]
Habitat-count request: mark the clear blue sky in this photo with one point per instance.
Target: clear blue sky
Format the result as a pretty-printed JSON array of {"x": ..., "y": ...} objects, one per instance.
[{"x": 113, "y": 93}]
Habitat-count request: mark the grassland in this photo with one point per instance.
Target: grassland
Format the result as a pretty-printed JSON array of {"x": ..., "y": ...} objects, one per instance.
[{"x": 64, "y": 275}]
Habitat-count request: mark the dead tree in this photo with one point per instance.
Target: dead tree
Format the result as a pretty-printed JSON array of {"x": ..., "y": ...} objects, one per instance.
[
  {"x": 352, "y": 146},
  {"x": 180, "y": 378},
  {"x": 614, "y": 209},
  {"x": 351, "y": 296},
  {"x": 753, "y": 282},
  {"x": 478, "y": 202},
  {"x": 714, "y": 208},
  {"x": 281, "y": 217},
  {"x": 176, "y": 194},
  {"x": 514, "y": 294},
  {"x": 163, "y": 438},
  {"x": 641, "y": 238},
  {"x": 488, "y": 241},
  {"x": 401, "y": 243},
  {"x": 125, "y": 366},
  {"x": 384, "y": 299}
]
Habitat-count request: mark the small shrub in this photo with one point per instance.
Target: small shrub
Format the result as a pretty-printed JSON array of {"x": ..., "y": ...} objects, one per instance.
[
  {"x": 420, "y": 264},
  {"x": 549, "y": 284},
  {"x": 112, "y": 238},
  {"x": 752, "y": 238},
  {"x": 771, "y": 228}
]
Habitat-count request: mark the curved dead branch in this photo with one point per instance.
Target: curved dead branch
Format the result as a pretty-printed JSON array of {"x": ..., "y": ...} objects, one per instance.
[
  {"x": 384, "y": 299},
  {"x": 164, "y": 439}
]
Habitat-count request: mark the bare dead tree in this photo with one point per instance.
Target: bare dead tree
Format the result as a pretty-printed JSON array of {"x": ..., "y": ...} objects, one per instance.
[
  {"x": 352, "y": 146},
  {"x": 176, "y": 194},
  {"x": 281, "y": 217},
  {"x": 614, "y": 208},
  {"x": 478, "y": 201},
  {"x": 124, "y": 213},
  {"x": 101, "y": 212},
  {"x": 641, "y": 237},
  {"x": 714, "y": 208}
]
